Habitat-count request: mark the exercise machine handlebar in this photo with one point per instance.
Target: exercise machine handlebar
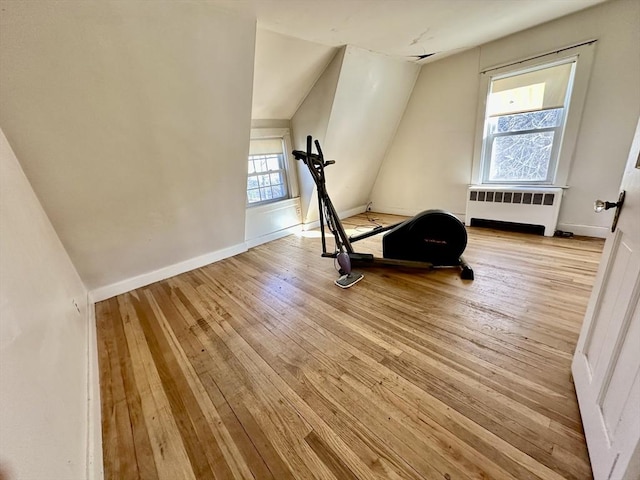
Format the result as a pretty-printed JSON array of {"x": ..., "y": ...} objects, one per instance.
[
  {"x": 316, "y": 163},
  {"x": 312, "y": 159}
]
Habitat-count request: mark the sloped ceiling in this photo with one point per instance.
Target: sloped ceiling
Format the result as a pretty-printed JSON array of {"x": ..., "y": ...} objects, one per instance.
[
  {"x": 296, "y": 39},
  {"x": 285, "y": 70},
  {"x": 403, "y": 27}
]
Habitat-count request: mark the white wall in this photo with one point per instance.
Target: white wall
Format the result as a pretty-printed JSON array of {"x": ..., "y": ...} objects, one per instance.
[
  {"x": 371, "y": 97},
  {"x": 430, "y": 160},
  {"x": 270, "y": 221},
  {"x": 132, "y": 121},
  {"x": 43, "y": 340},
  {"x": 368, "y": 101}
]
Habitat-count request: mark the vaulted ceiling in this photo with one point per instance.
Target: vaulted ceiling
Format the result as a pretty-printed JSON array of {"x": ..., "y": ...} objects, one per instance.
[
  {"x": 403, "y": 27},
  {"x": 310, "y": 30}
]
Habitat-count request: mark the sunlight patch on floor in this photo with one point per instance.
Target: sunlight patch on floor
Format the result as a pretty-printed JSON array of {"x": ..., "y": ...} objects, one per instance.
[{"x": 308, "y": 234}]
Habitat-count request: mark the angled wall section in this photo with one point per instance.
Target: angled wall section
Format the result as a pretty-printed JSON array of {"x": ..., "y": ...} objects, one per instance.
[
  {"x": 312, "y": 118},
  {"x": 132, "y": 122},
  {"x": 43, "y": 339},
  {"x": 367, "y": 104},
  {"x": 371, "y": 98},
  {"x": 429, "y": 161}
]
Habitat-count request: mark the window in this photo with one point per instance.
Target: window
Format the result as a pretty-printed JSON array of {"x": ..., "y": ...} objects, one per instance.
[
  {"x": 267, "y": 173},
  {"x": 524, "y": 124}
]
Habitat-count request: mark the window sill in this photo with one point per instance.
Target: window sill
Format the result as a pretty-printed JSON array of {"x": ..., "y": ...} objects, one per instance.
[{"x": 274, "y": 205}]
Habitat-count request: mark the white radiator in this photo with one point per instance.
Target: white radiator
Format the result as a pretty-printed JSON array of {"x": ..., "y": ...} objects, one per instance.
[{"x": 528, "y": 205}]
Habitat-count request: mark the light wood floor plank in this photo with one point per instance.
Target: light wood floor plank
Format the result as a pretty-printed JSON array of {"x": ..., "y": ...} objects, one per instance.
[
  {"x": 140, "y": 437},
  {"x": 188, "y": 419},
  {"x": 222, "y": 452},
  {"x": 259, "y": 367},
  {"x": 230, "y": 415},
  {"x": 119, "y": 448},
  {"x": 170, "y": 457}
]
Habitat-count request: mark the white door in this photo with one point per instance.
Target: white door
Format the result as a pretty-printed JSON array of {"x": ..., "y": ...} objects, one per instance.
[{"x": 606, "y": 365}]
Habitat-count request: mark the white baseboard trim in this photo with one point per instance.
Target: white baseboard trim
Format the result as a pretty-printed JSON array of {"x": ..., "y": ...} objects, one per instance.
[
  {"x": 584, "y": 230},
  {"x": 254, "y": 242},
  {"x": 405, "y": 212},
  {"x": 344, "y": 214},
  {"x": 108, "y": 291},
  {"x": 95, "y": 468}
]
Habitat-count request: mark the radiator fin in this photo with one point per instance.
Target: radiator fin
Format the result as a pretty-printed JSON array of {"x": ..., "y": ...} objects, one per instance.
[
  {"x": 533, "y": 205},
  {"x": 545, "y": 199}
]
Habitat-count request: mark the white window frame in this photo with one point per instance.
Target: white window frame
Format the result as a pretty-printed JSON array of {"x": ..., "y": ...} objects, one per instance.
[
  {"x": 583, "y": 55},
  {"x": 289, "y": 163},
  {"x": 489, "y": 137}
]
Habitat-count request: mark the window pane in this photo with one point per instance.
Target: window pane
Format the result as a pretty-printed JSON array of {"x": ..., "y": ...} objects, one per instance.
[
  {"x": 273, "y": 163},
  {"x": 263, "y": 180},
  {"x": 251, "y": 167},
  {"x": 521, "y": 157},
  {"x": 527, "y": 121},
  {"x": 276, "y": 178},
  {"x": 278, "y": 191},
  {"x": 252, "y": 182},
  {"x": 253, "y": 196},
  {"x": 266, "y": 193}
]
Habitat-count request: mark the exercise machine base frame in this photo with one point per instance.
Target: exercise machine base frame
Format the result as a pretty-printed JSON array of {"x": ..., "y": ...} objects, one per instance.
[{"x": 364, "y": 260}]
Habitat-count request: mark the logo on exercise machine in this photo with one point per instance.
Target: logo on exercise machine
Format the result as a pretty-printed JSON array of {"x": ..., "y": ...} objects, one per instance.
[{"x": 435, "y": 240}]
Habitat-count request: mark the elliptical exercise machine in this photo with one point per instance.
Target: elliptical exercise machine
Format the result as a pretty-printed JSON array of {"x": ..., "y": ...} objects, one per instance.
[{"x": 431, "y": 239}]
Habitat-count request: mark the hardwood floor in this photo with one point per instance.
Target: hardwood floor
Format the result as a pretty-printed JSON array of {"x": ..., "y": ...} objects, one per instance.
[{"x": 259, "y": 367}]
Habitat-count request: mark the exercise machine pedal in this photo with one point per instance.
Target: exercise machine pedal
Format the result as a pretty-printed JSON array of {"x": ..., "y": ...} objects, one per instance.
[{"x": 349, "y": 280}]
